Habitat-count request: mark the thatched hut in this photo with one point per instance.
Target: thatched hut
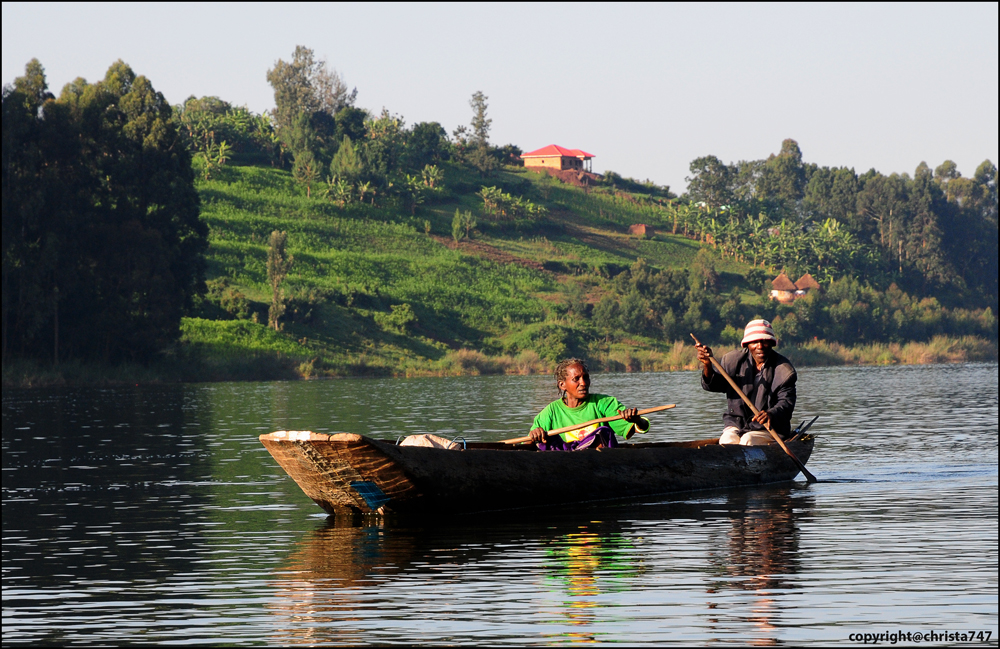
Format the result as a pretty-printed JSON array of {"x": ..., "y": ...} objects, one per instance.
[
  {"x": 805, "y": 284},
  {"x": 786, "y": 291},
  {"x": 782, "y": 289}
]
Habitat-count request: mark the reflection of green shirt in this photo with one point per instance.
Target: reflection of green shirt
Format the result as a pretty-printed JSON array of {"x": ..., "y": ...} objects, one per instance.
[{"x": 558, "y": 415}]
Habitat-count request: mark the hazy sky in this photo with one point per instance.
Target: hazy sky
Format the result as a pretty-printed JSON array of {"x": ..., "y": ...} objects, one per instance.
[{"x": 646, "y": 88}]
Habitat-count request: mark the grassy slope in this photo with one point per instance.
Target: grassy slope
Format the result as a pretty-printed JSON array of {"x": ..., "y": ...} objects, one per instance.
[
  {"x": 353, "y": 265},
  {"x": 489, "y": 295},
  {"x": 358, "y": 262}
]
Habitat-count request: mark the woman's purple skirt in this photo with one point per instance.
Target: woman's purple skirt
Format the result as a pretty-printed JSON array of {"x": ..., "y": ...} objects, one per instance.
[{"x": 603, "y": 436}]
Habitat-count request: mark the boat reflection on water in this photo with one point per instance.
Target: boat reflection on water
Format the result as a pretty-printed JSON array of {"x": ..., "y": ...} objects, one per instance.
[
  {"x": 761, "y": 554},
  {"x": 351, "y": 578},
  {"x": 582, "y": 565},
  {"x": 323, "y": 585}
]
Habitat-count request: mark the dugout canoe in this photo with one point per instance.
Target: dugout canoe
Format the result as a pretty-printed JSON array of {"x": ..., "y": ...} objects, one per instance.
[{"x": 345, "y": 473}]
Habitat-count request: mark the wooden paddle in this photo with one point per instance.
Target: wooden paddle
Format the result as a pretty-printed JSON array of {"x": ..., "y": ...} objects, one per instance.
[
  {"x": 566, "y": 429},
  {"x": 718, "y": 368}
]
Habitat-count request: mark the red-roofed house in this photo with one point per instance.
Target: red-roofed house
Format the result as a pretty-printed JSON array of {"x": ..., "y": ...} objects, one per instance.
[{"x": 554, "y": 156}]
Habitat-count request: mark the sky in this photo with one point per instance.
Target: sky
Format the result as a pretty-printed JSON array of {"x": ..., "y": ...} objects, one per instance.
[{"x": 645, "y": 88}]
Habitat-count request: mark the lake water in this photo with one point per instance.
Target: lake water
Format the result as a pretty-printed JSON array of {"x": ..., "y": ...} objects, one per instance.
[{"x": 153, "y": 514}]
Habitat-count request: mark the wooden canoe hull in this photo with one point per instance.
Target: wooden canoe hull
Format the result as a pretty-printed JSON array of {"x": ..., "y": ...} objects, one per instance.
[{"x": 346, "y": 473}]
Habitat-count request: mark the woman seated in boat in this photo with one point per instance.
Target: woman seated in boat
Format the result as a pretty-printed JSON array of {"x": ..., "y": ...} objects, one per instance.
[{"x": 578, "y": 406}]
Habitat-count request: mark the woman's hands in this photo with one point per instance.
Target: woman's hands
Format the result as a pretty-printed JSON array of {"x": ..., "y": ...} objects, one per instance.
[{"x": 631, "y": 415}]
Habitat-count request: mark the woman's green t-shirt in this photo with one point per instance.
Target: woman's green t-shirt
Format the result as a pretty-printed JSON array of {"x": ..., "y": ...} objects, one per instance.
[{"x": 596, "y": 406}]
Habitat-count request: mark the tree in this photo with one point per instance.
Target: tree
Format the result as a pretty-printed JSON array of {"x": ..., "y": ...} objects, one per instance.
[
  {"x": 306, "y": 170},
  {"x": 832, "y": 193},
  {"x": 986, "y": 178},
  {"x": 278, "y": 265},
  {"x": 306, "y": 86},
  {"x": 427, "y": 144},
  {"x": 347, "y": 164},
  {"x": 783, "y": 177},
  {"x": 462, "y": 221},
  {"x": 33, "y": 87},
  {"x": 468, "y": 222},
  {"x": 293, "y": 91},
  {"x": 432, "y": 176},
  {"x": 946, "y": 171},
  {"x": 606, "y": 313},
  {"x": 704, "y": 277},
  {"x": 213, "y": 156},
  {"x": 384, "y": 144},
  {"x": 351, "y": 123},
  {"x": 103, "y": 246},
  {"x": 309, "y": 145},
  {"x": 332, "y": 95},
  {"x": 508, "y": 154},
  {"x": 339, "y": 191},
  {"x": 746, "y": 178},
  {"x": 413, "y": 188},
  {"x": 710, "y": 182},
  {"x": 929, "y": 215},
  {"x": 479, "y": 155},
  {"x": 483, "y": 161},
  {"x": 633, "y": 312},
  {"x": 480, "y": 123},
  {"x": 456, "y": 226}
]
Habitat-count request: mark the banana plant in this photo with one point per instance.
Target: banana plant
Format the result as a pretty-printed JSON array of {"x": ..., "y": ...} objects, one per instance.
[
  {"x": 491, "y": 201},
  {"x": 365, "y": 189},
  {"x": 339, "y": 191},
  {"x": 414, "y": 189},
  {"x": 210, "y": 157},
  {"x": 222, "y": 153},
  {"x": 431, "y": 176}
]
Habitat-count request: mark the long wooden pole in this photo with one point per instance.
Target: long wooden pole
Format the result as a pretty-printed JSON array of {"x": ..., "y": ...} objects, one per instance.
[
  {"x": 566, "y": 429},
  {"x": 718, "y": 368}
]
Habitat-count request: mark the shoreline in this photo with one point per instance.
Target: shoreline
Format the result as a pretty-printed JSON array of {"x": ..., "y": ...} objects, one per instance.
[{"x": 464, "y": 362}]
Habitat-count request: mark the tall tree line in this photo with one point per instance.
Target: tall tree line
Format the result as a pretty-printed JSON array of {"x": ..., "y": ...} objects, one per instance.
[
  {"x": 103, "y": 248},
  {"x": 934, "y": 232}
]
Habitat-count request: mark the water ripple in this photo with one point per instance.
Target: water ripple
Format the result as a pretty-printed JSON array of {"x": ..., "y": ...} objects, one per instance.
[{"x": 152, "y": 514}]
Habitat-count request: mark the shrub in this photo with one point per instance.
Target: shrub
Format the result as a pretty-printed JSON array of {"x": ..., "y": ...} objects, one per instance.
[
  {"x": 552, "y": 342},
  {"x": 398, "y": 319},
  {"x": 731, "y": 335}
]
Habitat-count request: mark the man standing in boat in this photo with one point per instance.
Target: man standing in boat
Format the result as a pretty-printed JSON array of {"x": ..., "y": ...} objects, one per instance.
[{"x": 764, "y": 375}]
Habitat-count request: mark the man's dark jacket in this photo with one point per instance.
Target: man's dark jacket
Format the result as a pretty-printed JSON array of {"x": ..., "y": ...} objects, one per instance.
[{"x": 775, "y": 393}]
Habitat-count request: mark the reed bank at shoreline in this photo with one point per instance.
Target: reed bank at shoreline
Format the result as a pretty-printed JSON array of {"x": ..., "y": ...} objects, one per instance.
[{"x": 464, "y": 362}]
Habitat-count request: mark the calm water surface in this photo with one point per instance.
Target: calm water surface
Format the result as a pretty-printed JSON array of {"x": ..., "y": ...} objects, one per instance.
[{"x": 153, "y": 514}]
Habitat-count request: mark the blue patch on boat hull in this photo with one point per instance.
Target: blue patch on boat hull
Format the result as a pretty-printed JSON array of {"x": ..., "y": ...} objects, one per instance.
[
  {"x": 372, "y": 495},
  {"x": 756, "y": 457}
]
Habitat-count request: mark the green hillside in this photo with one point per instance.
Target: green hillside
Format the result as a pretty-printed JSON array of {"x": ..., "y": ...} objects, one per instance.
[
  {"x": 372, "y": 292},
  {"x": 144, "y": 241},
  {"x": 508, "y": 295}
]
